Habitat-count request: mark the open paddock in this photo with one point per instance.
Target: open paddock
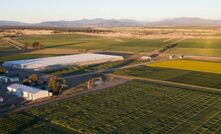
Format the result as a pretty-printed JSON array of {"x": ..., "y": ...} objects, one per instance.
[
  {"x": 174, "y": 75},
  {"x": 201, "y": 47},
  {"x": 86, "y": 42}
]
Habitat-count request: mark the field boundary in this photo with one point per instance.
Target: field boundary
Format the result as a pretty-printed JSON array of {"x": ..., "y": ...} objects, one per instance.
[
  {"x": 70, "y": 128},
  {"x": 14, "y": 43},
  {"x": 174, "y": 84}
]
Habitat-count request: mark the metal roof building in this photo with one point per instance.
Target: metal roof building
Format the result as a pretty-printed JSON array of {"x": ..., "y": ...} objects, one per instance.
[
  {"x": 27, "y": 92},
  {"x": 49, "y": 62}
]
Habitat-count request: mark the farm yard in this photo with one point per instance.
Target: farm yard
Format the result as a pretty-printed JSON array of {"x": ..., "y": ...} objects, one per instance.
[
  {"x": 134, "y": 107},
  {"x": 201, "y": 66},
  {"x": 201, "y": 47},
  {"x": 86, "y": 42},
  {"x": 174, "y": 75}
]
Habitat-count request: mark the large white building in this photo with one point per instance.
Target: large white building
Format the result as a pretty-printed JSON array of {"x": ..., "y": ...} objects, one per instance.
[
  {"x": 58, "y": 61},
  {"x": 27, "y": 92}
]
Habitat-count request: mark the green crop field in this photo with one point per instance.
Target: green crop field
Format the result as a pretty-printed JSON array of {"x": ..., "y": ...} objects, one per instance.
[
  {"x": 174, "y": 75},
  {"x": 75, "y": 41},
  {"x": 201, "y": 47},
  {"x": 4, "y": 46},
  {"x": 136, "y": 107}
]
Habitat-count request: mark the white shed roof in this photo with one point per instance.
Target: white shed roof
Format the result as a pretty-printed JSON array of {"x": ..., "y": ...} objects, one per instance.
[
  {"x": 26, "y": 88},
  {"x": 61, "y": 60}
]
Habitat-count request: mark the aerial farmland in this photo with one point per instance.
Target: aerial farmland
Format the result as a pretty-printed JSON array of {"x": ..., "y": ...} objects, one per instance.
[
  {"x": 110, "y": 67},
  {"x": 128, "y": 98}
]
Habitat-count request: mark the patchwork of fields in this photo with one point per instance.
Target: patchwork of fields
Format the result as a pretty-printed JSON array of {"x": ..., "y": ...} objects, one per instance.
[
  {"x": 174, "y": 75},
  {"x": 74, "y": 41},
  {"x": 135, "y": 107},
  {"x": 202, "y": 66},
  {"x": 201, "y": 47}
]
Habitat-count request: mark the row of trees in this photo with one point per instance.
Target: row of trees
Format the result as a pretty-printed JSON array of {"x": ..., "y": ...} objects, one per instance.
[
  {"x": 34, "y": 45},
  {"x": 165, "y": 48}
]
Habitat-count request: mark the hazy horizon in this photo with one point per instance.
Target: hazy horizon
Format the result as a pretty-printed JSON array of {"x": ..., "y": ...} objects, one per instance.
[{"x": 32, "y": 11}]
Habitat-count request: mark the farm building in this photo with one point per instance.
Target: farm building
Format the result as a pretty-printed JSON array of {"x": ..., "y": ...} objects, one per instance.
[
  {"x": 27, "y": 92},
  {"x": 146, "y": 58},
  {"x": 59, "y": 61}
]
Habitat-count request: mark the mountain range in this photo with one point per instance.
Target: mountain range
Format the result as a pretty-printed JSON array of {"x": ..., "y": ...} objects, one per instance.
[{"x": 175, "y": 22}]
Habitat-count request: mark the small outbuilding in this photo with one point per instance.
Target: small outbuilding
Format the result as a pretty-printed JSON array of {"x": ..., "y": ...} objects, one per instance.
[
  {"x": 172, "y": 57},
  {"x": 181, "y": 57},
  {"x": 27, "y": 92},
  {"x": 146, "y": 58}
]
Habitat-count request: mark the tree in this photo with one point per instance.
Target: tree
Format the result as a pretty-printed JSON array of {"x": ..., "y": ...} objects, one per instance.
[
  {"x": 56, "y": 85},
  {"x": 34, "y": 78},
  {"x": 2, "y": 70},
  {"x": 26, "y": 82},
  {"x": 36, "y": 45},
  {"x": 26, "y": 45}
]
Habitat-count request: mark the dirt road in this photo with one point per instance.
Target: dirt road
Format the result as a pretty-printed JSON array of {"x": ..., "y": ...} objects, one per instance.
[
  {"x": 14, "y": 43},
  {"x": 173, "y": 84}
]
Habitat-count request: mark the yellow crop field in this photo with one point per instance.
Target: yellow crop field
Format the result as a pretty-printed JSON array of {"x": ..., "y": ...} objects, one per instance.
[{"x": 202, "y": 66}]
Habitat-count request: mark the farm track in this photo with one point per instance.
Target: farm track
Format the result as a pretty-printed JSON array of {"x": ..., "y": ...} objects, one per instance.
[
  {"x": 174, "y": 84},
  {"x": 157, "y": 51},
  {"x": 14, "y": 43},
  {"x": 112, "y": 69},
  {"x": 207, "y": 58}
]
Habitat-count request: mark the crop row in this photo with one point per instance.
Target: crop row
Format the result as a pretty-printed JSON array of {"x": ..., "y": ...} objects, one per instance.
[{"x": 135, "y": 107}]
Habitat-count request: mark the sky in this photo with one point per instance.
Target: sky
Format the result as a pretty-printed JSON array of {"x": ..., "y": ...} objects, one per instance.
[{"x": 33, "y": 11}]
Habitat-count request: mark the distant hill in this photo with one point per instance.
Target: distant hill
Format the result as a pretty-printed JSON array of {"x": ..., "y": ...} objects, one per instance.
[
  {"x": 186, "y": 22},
  {"x": 119, "y": 23},
  {"x": 12, "y": 23},
  {"x": 93, "y": 23}
]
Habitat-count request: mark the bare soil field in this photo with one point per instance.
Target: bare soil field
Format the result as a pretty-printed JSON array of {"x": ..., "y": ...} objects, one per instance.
[
  {"x": 151, "y": 36},
  {"x": 156, "y": 33},
  {"x": 29, "y": 31}
]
